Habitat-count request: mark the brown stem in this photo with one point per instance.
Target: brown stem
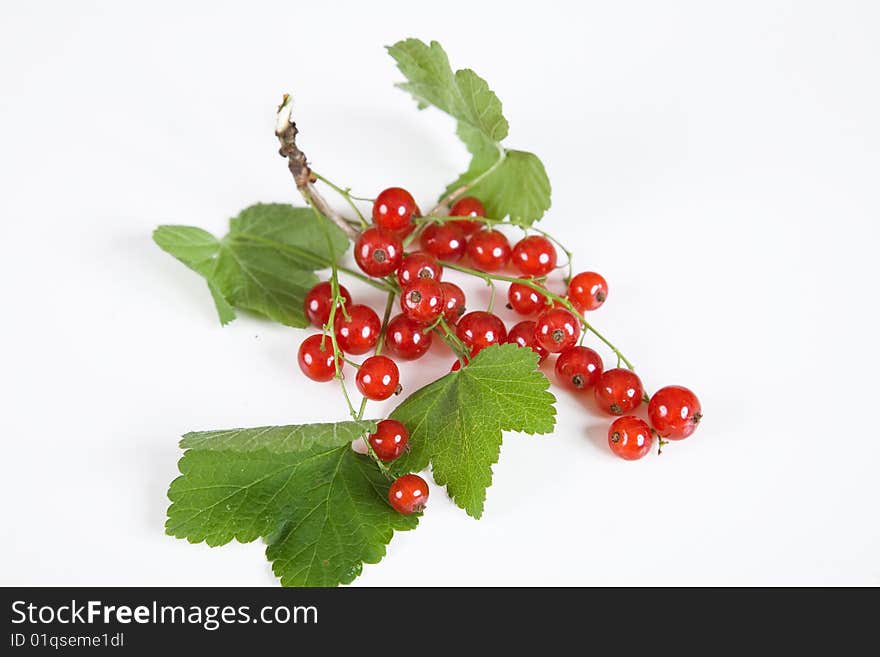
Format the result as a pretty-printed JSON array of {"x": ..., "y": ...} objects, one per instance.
[{"x": 285, "y": 130}]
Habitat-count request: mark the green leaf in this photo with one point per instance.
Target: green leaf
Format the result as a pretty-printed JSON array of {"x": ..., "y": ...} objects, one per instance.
[
  {"x": 321, "y": 507},
  {"x": 265, "y": 264},
  {"x": 463, "y": 94},
  {"x": 508, "y": 182},
  {"x": 456, "y": 423}
]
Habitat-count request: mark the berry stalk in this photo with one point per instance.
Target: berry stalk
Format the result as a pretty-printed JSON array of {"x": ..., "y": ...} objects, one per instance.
[{"x": 489, "y": 277}]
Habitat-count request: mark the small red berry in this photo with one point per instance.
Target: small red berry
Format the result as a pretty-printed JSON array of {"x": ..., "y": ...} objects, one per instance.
[
  {"x": 422, "y": 301},
  {"x": 524, "y": 299},
  {"x": 453, "y": 302},
  {"x": 319, "y": 301},
  {"x": 444, "y": 241},
  {"x": 358, "y": 333},
  {"x": 468, "y": 207},
  {"x": 316, "y": 358},
  {"x": 418, "y": 265},
  {"x": 534, "y": 255},
  {"x": 523, "y": 334},
  {"x": 557, "y": 330},
  {"x": 378, "y": 378},
  {"x": 378, "y": 252},
  {"x": 408, "y": 494},
  {"x": 404, "y": 338},
  {"x": 578, "y": 368},
  {"x": 457, "y": 364},
  {"x": 674, "y": 412},
  {"x": 390, "y": 440},
  {"x": 587, "y": 291},
  {"x": 479, "y": 329},
  {"x": 630, "y": 437},
  {"x": 394, "y": 209},
  {"x": 489, "y": 250},
  {"x": 619, "y": 391}
]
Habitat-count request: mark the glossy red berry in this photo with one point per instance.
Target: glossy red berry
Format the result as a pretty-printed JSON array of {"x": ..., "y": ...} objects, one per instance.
[
  {"x": 319, "y": 301},
  {"x": 378, "y": 378},
  {"x": 587, "y": 291},
  {"x": 524, "y": 299},
  {"x": 534, "y": 255},
  {"x": 630, "y": 437},
  {"x": 618, "y": 391},
  {"x": 404, "y": 338},
  {"x": 394, "y": 209},
  {"x": 674, "y": 412},
  {"x": 523, "y": 334},
  {"x": 408, "y": 494},
  {"x": 489, "y": 250},
  {"x": 378, "y": 252},
  {"x": 468, "y": 207},
  {"x": 479, "y": 329},
  {"x": 453, "y": 302},
  {"x": 557, "y": 330},
  {"x": 359, "y": 332},
  {"x": 390, "y": 440},
  {"x": 418, "y": 265},
  {"x": 316, "y": 358},
  {"x": 443, "y": 241},
  {"x": 422, "y": 301},
  {"x": 578, "y": 368}
]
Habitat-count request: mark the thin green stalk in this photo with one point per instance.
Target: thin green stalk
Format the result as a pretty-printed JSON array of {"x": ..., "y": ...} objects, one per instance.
[
  {"x": 487, "y": 276},
  {"x": 344, "y": 193},
  {"x": 378, "y": 284}
]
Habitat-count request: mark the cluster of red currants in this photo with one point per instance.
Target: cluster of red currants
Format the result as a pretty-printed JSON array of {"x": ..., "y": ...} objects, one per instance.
[{"x": 426, "y": 301}]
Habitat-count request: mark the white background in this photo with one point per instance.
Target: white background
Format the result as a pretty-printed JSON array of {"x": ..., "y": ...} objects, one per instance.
[{"x": 718, "y": 162}]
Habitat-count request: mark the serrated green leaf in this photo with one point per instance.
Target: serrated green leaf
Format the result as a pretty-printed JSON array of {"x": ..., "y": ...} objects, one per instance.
[
  {"x": 508, "y": 182},
  {"x": 279, "y": 439},
  {"x": 462, "y": 94},
  {"x": 321, "y": 507},
  {"x": 265, "y": 264},
  {"x": 456, "y": 423},
  {"x": 194, "y": 247}
]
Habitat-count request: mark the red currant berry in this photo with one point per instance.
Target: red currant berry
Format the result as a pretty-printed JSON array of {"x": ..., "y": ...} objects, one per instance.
[
  {"x": 422, "y": 301},
  {"x": 404, "y": 338},
  {"x": 619, "y": 391},
  {"x": 578, "y": 368},
  {"x": 674, "y": 412},
  {"x": 319, "y": 301},
  {"x": 557, "y": 330},
  {"x": 394, "y": 209},
  {"x": 390, "y": 440},
  {"x": 489, "y": 250},
  {"x": 523, "y": 334},
  {"x": 358, "y": 333},
  {"x": 408, "y": 494},
  {"x": 453, "y": 302},
  {"x": 418, "y": 265},
  {"x": 468, "y": 207},
  {"x": 534, "y": 255},
  {"x": 524, "y": 299},
  {"x": 480, "y": 329},
  {"x": 378, "y": 378},
  {"x": 587, "y": 291},
  {"x": 630, "y": 437},
  {"x": 378, "y": 252},
  {"x": 444, "y": 241},
  {"x": 457, "y": 364},
  {"x": 316, "y": 358}
]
